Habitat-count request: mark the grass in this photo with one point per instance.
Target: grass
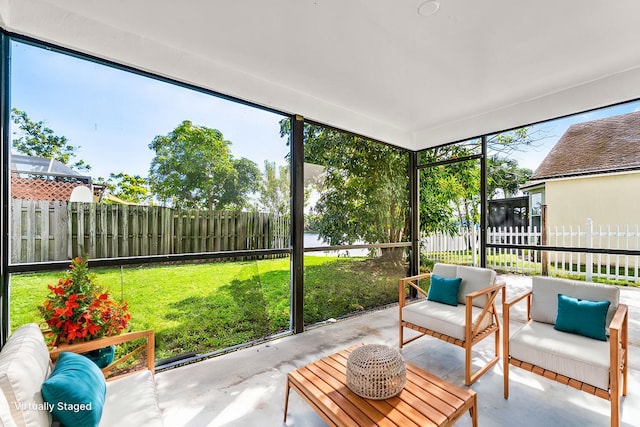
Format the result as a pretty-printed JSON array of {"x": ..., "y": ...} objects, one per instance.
[
  {"x": 206, "y": 307},
  {"x": 338, "y": 286}
]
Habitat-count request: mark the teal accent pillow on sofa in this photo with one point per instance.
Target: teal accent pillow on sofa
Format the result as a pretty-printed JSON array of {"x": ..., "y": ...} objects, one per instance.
[
  {"x": 75, "y": 391},
  {"x": 102, "y": 356},
  {"x": 582, "y": 317},
  {"x": 444, "y": 290}
]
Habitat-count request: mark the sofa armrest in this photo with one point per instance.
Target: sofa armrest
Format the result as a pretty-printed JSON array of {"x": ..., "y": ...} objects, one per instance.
[
  {"x": 490, "y": 292},
  {"x": 412, "y": 281},
  {"x": 620, "y": 318},
  {"x": 86, "y": 346},
  {"x": 618, "y": 350},
  {"x": 507, "y": 304},
  {"x": 484, "y": 292},
  {"x": 506, "y": 308}
]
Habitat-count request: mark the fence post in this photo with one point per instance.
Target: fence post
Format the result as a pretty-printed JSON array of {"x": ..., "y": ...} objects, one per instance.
[
  {"x": 474, "y": 245},
  {"x": 588, "y": 267}
]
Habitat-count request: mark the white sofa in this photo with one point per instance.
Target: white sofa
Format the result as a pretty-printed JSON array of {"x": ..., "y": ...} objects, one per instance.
[
  {"x": 25, "y": 364},
  {"x": 594, "y": 364}
]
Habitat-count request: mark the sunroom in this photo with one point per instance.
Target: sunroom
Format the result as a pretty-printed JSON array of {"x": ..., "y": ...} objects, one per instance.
[{"x": 347, "y": 128}]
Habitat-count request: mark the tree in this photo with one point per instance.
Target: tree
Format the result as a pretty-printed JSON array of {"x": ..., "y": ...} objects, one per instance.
[
  {"x": 37, "y": 140},
  {"x": 450, "y": 192},
  {"x": 364, "y": 194},
  {"x": 505, "y": 175},
  {"x": 193, "y": 168},
  {"x": 130, "y": 188},
  {"x": 274, "y": 192}
]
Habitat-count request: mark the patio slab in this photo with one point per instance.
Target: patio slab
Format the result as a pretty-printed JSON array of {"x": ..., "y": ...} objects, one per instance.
[{"x": 247, "y": 387}]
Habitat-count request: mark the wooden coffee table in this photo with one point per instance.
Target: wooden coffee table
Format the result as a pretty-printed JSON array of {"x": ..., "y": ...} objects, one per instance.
[{"x": 426, "y": 400}]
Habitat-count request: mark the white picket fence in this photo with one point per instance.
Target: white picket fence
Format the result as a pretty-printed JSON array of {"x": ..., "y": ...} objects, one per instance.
[
  {"x": 605, "y": 266},
  {"x": 461, "y": 248},
  {"x": 464, "y": 248}
]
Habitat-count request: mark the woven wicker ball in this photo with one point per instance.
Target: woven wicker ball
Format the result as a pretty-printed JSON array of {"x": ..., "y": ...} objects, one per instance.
[{"x": 376, "y": 371}]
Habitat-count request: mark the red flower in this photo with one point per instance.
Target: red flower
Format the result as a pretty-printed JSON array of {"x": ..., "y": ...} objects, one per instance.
[{"x": 77, "y": 309}]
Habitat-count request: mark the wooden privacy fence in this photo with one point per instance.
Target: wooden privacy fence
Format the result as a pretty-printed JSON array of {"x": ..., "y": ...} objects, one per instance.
[
  {"x": 55, "y": 231},
  {"x": 464, "y": 248}
]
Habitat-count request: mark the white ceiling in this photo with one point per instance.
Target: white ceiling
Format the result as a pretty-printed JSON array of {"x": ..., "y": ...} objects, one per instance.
[{"x": 374, "y": 67}]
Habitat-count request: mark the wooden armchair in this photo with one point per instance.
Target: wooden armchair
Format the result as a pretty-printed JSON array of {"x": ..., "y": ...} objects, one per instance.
[
  {"x": 596, "y": 365},
  {"x": 83, "y": 347},
  {"x": 473, "y": 319}
]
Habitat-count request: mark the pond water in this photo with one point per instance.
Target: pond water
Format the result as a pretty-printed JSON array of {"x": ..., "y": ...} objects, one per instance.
[{"x": 313, "y": 240}]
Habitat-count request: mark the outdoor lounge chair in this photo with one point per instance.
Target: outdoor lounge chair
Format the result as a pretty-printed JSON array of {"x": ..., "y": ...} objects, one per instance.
[
  {"x": 465, "y": 318},
  {"x": 576, "y": 333}
]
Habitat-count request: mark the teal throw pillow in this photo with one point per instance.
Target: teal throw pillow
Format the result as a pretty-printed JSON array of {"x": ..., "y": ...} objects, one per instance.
[
  {"x": 444, "y": 290},
  {"x": 102, "y": 356},
  {"x": 75, "y": 391},
  {"x": 582, "y": 317}
]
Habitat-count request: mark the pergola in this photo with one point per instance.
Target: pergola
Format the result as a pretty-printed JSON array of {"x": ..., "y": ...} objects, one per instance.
[{"x": 411, "y": 73}]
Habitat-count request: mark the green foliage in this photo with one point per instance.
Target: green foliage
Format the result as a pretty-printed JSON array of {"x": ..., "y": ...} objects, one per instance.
[
  {"x": 443, "y": 197},
  {"x": 193, "y": 168},
  {"x": 274, "y": 191},
  {"x": 130, "y": 188},
  {"x": 450, "y": 193},
  {"x": 311, "y": 223},
  {"x": 37, "y": 140},
  {"x": 505, "y": 174},
  {"x": 364, "y": 194}
]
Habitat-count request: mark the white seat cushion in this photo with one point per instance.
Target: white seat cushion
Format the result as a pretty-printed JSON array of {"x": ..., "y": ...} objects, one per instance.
[
  {"x": 132, "y": 401},
  {"x": 442, "y": 318},
  {"x": 474, "y": 279},
  {"x": 544, "y": 303},
  {"x": 24, "y": 365},
  {"x": 445, "y": 270},
  {"x": 571, "y": 355}
]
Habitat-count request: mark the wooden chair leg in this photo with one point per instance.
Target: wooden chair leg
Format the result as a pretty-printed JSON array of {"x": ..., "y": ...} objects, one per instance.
[
  {"x": 505, "y": 376},
  {"x": 615, "y": 408},
  {"x": 625, "y": 364},
  {"x": 505, "y": 347},
  {"x": 467, "y": 364},
  {"x": 474, "y": 411},
  {"x": 286, "y": 400}
]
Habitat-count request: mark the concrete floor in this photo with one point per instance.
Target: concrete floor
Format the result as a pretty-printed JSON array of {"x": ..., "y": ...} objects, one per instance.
[{"x": 247, "y": 387}]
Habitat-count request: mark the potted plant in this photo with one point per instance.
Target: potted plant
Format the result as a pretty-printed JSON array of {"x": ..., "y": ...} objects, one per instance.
[{"x": 77, "y": 309}]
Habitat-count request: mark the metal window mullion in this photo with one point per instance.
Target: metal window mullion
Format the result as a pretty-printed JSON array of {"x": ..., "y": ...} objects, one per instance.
[
  {"x": 297, "y": 224},
  {"x": 5, "y": 116}
]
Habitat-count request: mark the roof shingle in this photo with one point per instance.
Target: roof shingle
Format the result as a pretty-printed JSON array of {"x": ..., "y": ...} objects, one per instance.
[{"x": 598, "y": 146}]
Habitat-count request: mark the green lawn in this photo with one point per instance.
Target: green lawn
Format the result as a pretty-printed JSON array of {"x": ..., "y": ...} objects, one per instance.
[{"x": 205, "y": 307}]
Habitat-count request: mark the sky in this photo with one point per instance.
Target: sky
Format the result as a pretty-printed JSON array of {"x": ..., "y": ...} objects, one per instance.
[
  {"x": 113, "y": 115},
  {"x": 552, "y": 130}
]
